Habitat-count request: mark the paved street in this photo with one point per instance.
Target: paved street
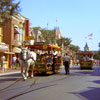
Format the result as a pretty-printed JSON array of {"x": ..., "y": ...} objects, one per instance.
[{"x": 79, "y": 85}]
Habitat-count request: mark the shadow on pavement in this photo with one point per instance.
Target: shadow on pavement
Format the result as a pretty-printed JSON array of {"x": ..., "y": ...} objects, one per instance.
[
  {"x": 92, "y": 93},
  {"x": 96, "y": 81},
  {"x": 94, "y": 72}
]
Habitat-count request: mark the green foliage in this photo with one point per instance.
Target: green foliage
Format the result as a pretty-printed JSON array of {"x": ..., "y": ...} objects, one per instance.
[
  {"x": 65, "y": 41},
  {"x": 74, "y": 48},
  {"x": 48, "y": 35},
  {"x": 7, "y": 9},
  {"x": 97, "y": 55}
]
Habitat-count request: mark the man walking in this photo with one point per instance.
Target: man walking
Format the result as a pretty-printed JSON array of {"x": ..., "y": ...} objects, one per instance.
[
  {"x": 66, "y": 61},
  {"x": 54, "y": 60}
]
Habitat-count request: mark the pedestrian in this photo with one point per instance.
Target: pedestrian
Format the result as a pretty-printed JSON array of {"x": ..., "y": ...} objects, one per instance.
[
  {"x": 14, "y": 61},
  {"x": 54, "y": 60},
  {"x": 66, "y": 62},
  {"x": 77, "y": 61},
  {"x": 2, "y": 63}
]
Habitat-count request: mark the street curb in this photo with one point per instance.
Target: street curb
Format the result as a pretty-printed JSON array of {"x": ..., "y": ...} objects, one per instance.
[{"x": 9, "y": 73}]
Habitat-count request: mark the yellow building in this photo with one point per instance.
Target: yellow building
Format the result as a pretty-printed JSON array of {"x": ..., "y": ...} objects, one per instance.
[
  {"x": 0, "y": 34},
  {"x": 4, "y": 52}
]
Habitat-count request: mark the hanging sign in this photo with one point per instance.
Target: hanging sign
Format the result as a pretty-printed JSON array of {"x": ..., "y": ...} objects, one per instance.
[
  {"x": 44, "y": 46},
  {"x": 29, "y": 38}
]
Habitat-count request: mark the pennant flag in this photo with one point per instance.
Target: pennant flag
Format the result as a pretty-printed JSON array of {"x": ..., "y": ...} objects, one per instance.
[{"x": 90, "y": 34}]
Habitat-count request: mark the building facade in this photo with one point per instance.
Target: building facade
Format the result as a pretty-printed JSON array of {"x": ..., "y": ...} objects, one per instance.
[
  {"x": 58, "y": 33},
  {"x": 14, "y": 33},
  {"x": 37, "y": 35},
  {"x": 4, "y": 50}
]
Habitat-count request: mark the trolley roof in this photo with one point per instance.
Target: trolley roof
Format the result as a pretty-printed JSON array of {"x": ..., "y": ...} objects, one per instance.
[
  {"x": 86, "y": 53},
  {"x": 43, "y": 46}
]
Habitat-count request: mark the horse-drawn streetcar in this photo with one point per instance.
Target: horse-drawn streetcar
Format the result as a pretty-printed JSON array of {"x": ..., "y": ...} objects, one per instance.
[
  {"x": 86, "y": 60},
  {"x": 45, "y": 58}
]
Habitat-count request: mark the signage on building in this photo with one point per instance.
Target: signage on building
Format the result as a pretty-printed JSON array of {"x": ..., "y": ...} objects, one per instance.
[{"x": 29, "y": 38}]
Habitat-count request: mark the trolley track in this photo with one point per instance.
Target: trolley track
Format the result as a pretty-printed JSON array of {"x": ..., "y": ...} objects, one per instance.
[
  {"x": 10, "y": 85},
  {"x": 29, "y": 90},
  {"x": 25, "y": 92},
  {"x": 29, "y": 87}
]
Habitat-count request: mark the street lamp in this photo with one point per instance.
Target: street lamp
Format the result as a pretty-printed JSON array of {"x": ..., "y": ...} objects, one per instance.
[{"x": 99, "y": 46}]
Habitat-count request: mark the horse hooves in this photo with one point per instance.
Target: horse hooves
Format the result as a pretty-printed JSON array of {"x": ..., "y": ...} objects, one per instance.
[
  {"x": 25, "y": 78},
  {"x": 31, "y": 76}
]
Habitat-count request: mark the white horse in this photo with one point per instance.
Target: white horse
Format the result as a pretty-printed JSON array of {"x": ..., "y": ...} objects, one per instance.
[{"x": 27, "y": 59}]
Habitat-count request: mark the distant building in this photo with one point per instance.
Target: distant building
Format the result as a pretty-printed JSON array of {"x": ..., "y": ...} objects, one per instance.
[
  {"x": 35, "y": 31},
  {"x": 58, "y": 33},
  {"x": 86, "y": 48}
]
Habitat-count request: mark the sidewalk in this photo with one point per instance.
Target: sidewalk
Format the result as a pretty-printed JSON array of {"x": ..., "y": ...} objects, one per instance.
[{"x": 9, "y": 71}]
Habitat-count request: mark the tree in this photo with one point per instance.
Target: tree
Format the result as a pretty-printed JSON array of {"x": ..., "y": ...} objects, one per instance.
[
  {"x": 7, "y": 9},
  {"x": 48, "y": 35},
  {"x": 97, "y": 55},
  {"x": 74, "y": 48},
  {"x": 63, "y": 41}
]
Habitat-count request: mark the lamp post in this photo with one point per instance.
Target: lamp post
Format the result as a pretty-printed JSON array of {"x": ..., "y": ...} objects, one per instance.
[{"x": 99, "y": 46}]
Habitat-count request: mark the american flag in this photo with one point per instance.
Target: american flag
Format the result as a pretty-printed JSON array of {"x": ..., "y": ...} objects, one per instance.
[{"x": 90, "y": 36}]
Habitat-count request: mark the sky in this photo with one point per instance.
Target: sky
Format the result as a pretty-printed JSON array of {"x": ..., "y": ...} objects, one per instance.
[{"x": 77, "y": 19}]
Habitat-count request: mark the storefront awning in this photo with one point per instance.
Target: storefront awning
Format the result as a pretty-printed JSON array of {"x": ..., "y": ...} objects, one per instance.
[
  {"x": 16, "y": 50},
  {"x": 16, "y": 31},
  {"x": 9, "y": 52}
]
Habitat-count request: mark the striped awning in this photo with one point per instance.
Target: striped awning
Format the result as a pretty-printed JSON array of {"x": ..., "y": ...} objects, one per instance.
[
  {"x": 9, "y": 52},
  {"x": 16, "y": 50}
]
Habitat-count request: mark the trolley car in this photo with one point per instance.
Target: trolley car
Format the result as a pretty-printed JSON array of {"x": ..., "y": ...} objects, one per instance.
[
  {"x": 86, "y": 60},
  {"x": 45, "y": 57}
]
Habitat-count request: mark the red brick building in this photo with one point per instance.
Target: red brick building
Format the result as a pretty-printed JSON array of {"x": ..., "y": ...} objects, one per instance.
[{"x": 14, "y": 33}]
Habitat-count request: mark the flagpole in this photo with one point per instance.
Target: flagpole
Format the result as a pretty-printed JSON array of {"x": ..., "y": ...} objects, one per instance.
[{"x": 56, "y": 21}]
